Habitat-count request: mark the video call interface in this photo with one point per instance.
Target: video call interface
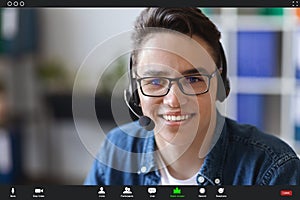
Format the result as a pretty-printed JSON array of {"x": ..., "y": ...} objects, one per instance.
[{"x": 149, "y": 102}]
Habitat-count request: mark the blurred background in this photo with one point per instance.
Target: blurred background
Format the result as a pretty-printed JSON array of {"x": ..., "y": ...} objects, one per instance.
[{"x": 41, "y": 51}]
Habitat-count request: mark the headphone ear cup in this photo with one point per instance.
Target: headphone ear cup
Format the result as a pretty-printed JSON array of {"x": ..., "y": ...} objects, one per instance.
[
  {"x": 223, "y": 82},
  {"x": 227, "y": 87},
  {"x": 135, "y": 95},
  {"x": 221, "y": 90},
  {"x": 134, "y": 102}
]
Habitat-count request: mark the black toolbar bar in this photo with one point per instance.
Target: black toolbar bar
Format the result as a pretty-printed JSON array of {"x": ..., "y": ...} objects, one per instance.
[
  {"x": 149, "y": 192},
  {"x": 139, "y": 3}
]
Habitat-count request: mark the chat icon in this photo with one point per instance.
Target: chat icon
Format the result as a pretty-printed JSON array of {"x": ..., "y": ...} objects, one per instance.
[{"x": 151, "y": 190}]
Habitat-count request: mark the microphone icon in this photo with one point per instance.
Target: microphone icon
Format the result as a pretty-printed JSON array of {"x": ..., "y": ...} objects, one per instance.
[{"x": 13, "y": 192}]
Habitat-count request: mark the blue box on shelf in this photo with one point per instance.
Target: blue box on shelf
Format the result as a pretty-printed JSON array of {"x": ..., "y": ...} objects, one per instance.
[
  {"x": 259, "y": 53},
  {"x": 298, "y": 55},
  {"x": 297, "y": 132},
  {"x": 297, "y": 112},
  {"x": 250, "y": 109}
]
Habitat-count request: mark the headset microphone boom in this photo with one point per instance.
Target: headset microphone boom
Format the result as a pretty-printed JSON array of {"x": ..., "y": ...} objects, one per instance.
[{"x": 146, "y": 122}]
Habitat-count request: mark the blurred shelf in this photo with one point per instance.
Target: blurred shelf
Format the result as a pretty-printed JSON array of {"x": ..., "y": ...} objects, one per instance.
[
  {"x": 270, "y": 88},
  {"x": 262, "y": 85}
]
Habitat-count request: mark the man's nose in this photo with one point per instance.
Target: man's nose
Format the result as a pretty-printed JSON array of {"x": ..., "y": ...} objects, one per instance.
[{"x": 175, "y": 98}]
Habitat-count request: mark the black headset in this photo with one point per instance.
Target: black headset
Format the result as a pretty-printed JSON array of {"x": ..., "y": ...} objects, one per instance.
[{"x": 134, "y": 100}]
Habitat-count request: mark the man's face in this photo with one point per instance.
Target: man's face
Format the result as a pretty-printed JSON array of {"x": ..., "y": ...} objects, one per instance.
[{"x": 178, "y": 117}]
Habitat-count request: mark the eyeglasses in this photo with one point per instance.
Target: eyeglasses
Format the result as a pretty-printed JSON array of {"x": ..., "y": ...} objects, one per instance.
[{"x": 189, "y": 85}]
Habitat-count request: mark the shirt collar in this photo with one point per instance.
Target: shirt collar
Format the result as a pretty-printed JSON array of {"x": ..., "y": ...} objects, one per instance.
[
  {"x": 212, "y": 167},
  {"x": 148, "y": 162}
]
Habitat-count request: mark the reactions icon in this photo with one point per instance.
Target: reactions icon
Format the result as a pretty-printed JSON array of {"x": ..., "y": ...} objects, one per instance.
[{"x": 221, "y": 190}]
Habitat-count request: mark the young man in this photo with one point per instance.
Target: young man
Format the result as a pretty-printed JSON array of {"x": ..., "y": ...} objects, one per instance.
[{"x": 178, "y": 72}]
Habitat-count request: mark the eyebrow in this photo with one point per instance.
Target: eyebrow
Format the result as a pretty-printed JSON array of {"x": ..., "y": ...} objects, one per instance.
[
  {"x": 199, "y": 70},
  {"x": 154, "y": 73}
]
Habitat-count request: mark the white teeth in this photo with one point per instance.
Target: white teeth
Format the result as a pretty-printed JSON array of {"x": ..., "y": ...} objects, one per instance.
[{"x": 176, "y": 118}]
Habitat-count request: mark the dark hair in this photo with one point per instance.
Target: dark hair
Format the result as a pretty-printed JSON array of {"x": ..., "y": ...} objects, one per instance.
[{"x": 189, "y": 21}]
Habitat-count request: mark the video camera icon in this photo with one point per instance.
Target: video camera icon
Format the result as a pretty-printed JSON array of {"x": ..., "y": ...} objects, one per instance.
[{"x": 38, "y": 191}]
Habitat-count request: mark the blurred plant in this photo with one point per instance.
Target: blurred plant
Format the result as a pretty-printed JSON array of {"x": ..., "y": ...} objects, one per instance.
[
  {"x": 3, "y": 104},
  {"x": 111, "y": 76},
  {"x": 54, "y": 76}
]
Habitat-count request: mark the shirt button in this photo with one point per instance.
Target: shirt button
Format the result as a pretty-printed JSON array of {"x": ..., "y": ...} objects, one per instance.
[
  {"x": 143, "y": 169},
  {"x": 217, "y": 181},
  {"x": 201, "y": 179}
]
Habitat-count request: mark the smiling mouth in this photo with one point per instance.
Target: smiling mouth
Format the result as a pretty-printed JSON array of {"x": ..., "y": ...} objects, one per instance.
[{"x": 177, "y": 118}]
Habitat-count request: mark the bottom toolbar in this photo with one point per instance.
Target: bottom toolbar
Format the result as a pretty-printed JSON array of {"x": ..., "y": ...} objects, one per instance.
[{"x": 149, "y": 192}]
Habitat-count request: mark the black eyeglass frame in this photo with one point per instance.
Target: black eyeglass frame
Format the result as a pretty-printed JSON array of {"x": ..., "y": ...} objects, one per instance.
[{"x": 210, "y": 76}]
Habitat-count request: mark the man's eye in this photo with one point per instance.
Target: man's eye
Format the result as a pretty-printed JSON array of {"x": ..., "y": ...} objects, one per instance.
[
  {"x": 156, "y": 81},
  {"x": 193, "y": 79}
]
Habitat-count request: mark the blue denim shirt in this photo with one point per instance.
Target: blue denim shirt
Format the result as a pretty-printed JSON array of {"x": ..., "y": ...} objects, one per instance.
[{"x": 243, "y": 155}]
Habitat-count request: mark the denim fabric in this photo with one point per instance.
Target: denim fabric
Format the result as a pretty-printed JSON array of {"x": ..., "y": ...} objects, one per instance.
[{"x": 243, "y": 155}]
